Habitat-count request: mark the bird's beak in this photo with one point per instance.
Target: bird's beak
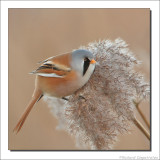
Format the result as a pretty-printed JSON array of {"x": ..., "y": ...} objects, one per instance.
[{"x": 92, "y": 61}]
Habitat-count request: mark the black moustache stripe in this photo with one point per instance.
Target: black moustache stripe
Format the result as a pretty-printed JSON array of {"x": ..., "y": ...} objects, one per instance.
[{"x": 85, "y": 66}]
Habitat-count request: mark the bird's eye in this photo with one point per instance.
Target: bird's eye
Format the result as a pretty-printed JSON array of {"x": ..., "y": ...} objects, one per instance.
[{"x": 86, "y": 59}]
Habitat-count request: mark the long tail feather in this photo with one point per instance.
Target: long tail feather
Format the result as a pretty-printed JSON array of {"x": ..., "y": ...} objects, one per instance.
[{"x": 35, "y": 98}]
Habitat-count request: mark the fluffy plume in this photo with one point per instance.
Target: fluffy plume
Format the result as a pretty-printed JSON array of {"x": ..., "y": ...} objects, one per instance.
[{"x": 102, "y": 109}]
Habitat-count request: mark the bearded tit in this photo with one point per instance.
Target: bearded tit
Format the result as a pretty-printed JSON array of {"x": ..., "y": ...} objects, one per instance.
[{"x": 60, "y": 76}]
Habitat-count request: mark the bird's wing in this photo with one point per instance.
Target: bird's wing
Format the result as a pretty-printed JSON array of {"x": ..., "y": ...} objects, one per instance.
[
  {"x": 57, "y": 66},
  {"x": 55, "y": 57}
]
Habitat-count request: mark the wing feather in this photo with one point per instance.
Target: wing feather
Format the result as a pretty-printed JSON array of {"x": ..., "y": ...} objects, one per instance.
[{"x": 50, "y": 68}]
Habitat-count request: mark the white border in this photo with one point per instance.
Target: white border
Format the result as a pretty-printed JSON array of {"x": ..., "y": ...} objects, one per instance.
[{"x": 153, "y": 5}]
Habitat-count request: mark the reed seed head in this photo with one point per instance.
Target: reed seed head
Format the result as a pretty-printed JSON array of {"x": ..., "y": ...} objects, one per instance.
[{"x": 104, "y": 108}]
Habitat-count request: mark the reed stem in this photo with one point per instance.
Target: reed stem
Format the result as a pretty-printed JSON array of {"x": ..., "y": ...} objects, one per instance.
[
  {"x": 141, "y": 127},
  {"x": 142, "y": 115}
]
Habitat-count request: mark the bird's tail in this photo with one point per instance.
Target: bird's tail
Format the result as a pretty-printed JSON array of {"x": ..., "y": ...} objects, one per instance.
[{"x": 37, "y": 95}]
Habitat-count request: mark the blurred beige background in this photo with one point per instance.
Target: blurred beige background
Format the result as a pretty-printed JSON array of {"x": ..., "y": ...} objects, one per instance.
[{"x": 36, "y": 34}]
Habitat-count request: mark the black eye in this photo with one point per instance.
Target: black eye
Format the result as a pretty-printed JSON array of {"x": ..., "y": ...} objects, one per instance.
[
  {"x": 85, "y": 59},
  {"x": 86, "y": 65}
]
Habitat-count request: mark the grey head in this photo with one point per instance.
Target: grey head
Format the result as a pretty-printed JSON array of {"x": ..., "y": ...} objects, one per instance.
[{"x": 81, "y": 60}]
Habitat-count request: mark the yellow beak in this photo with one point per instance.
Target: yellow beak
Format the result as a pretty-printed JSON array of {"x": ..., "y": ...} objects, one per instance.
[{"x": 92, "y": 61}]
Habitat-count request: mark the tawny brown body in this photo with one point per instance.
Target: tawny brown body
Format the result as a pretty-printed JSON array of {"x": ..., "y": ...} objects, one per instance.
[{"x": 56, "y": 77}]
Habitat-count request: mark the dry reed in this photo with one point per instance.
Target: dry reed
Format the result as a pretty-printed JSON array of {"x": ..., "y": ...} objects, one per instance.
[{"x": 104, "y": 108}]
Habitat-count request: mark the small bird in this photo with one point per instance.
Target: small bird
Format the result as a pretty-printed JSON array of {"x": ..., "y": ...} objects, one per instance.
[{"x": 60, "y": 76}]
